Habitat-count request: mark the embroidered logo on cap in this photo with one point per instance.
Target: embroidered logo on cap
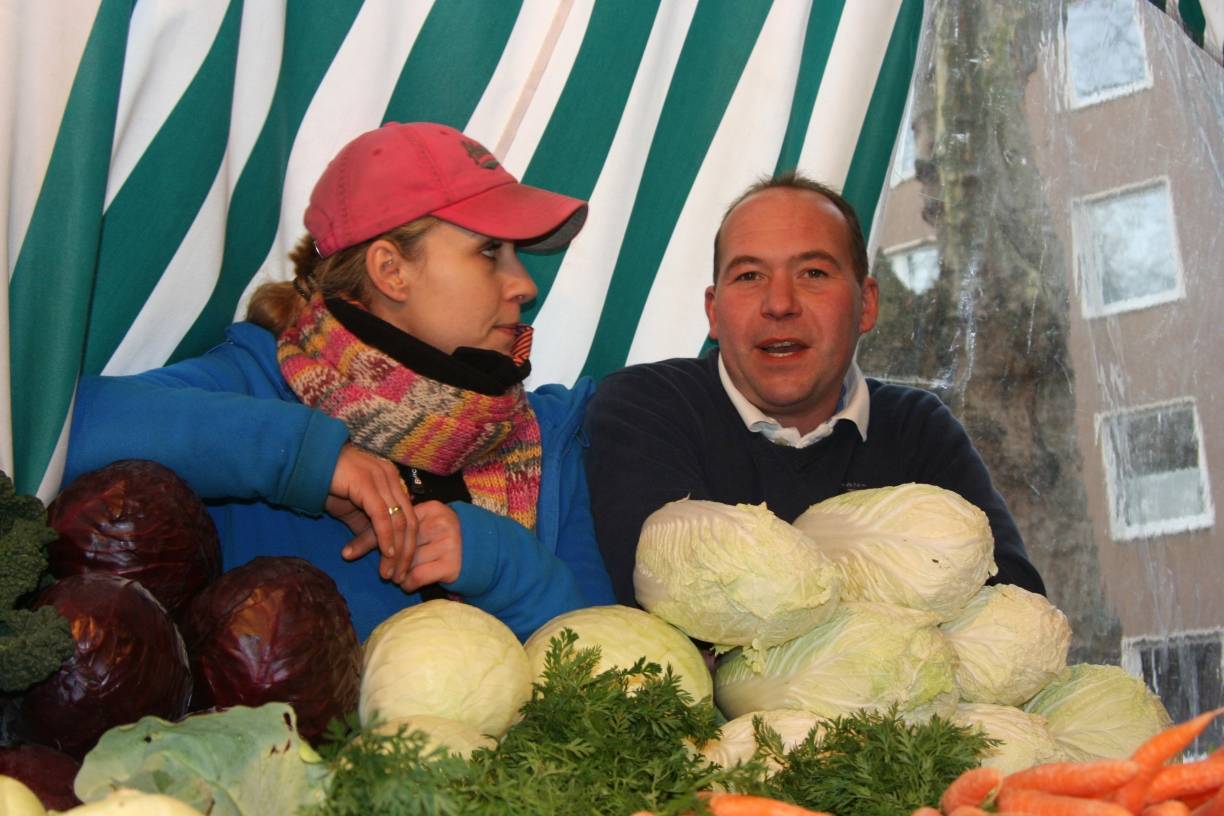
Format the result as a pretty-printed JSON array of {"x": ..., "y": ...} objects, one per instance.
[{"x": 479, "y": 155}]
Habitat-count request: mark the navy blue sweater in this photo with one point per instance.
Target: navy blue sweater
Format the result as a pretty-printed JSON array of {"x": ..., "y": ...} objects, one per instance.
[{"x": 663, "y": 431}]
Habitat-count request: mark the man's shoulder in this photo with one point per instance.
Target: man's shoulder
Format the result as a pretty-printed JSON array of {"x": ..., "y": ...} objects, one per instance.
[
  {"x": 665, "y": 388},
  {"x": 678, "y": 372},
  {"x": 891, "y": 395}
]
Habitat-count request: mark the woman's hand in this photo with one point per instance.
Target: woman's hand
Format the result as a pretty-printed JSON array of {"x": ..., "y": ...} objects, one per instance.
[
  {"x": 439, "y": 547},
  {"x": 368, "y": 495}
]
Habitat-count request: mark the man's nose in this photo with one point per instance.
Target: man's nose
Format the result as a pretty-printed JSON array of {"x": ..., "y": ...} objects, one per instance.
[{"x": 780, "y": 300}]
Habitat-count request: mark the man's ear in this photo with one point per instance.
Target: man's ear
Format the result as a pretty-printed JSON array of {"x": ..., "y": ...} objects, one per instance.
[
  {"x": 386, "y": 268},
  {"x": 870, "y": 293},
  {"x": 710, "y": 314}
]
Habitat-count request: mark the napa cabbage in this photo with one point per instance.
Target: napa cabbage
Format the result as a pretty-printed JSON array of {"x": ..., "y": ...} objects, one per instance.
[
  {"x": 733, "y": 575},
  {"x": 1009, "y": 643},
  {"x": 737, "y": 742},
  {"x": 1099, "y": 712},
  {"x": 914, "y": 545},
  {"x": 867, "y": 656},
  {"x": 624, "y": 635},
  {"x": 1024, "y": 739}
]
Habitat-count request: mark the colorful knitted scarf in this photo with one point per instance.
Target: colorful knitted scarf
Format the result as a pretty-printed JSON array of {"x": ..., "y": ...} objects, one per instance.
[{"x": 415, "y": 420}]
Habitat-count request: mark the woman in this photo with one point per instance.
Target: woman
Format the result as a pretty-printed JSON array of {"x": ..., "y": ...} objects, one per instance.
[{"x": 376, "y": 400}]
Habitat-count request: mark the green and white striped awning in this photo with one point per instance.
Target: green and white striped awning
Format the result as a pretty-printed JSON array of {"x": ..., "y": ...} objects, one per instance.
[{"x": 159, "y": 156}]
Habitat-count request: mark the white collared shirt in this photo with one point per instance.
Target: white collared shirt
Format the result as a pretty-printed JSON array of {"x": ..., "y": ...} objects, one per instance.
[{"x": 854, "y": 405}]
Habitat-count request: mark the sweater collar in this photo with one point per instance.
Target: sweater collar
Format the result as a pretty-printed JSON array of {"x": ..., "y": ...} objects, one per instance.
[{"x": 853, "y": 405}]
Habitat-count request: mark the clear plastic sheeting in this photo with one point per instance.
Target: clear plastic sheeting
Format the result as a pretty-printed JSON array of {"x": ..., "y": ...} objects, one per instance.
[{"x": 1049, "y": 256}]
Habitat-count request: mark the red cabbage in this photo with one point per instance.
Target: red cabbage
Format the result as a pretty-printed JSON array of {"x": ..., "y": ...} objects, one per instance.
[
  {"x": 275, "y": 629},
  {"x": 137, "y": 519},
  {"x": 46, "y": 771},
  {"x": 130, "y": 662}
]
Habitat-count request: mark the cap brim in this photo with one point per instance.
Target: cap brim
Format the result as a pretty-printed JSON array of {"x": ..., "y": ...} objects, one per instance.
[{"x": 537, "y": 220}]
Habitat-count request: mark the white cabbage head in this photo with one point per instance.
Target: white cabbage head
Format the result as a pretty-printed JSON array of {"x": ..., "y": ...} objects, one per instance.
[
  {"x": 868, "y": 656},
  {"x": 445, "y": 659},
  {"x": 130, "y": 802},
  {"x": 914, "y": 545},
  {"x": 441, "y": 732},
  {"x": 18, "y": 800},
  {"x": 1099, "y": 712},
  {"x": 737, "y": 738},
  {"x": 733, "y": 575},
  {"x": 623, "y": 635},
  {"x": 1010, "y": 643},
  {"x": 1026, "y": 739}
]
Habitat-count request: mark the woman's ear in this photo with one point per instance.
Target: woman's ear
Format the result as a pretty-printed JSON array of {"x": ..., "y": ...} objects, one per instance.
[{"x": 387, "y": 269}]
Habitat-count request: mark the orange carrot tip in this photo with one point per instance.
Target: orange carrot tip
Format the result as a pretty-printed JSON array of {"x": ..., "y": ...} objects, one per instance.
[
  {"x": 1186, "y": 779},
  {"x": 1173, "y": 740},
  {"x": 970, "y": 788},
  {"x": 1172, "y": 807},
  {"x": 1097, "y": 778},
  {"x": 1039, "y": 803}
]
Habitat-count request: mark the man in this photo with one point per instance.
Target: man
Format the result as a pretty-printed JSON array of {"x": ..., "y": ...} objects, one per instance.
[{"x": 780, "y": 413}]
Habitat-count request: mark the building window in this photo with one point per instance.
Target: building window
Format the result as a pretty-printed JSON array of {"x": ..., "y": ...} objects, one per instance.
[
  {"x": 1105, "y": 52},
  {"x": 1126, "y": 249},
  {"x": 1155, "y": 471},
  {"x": 917, "y": 267},
  {"x": 903, "y": 168},
  {"x": 1187, "y": 670}
]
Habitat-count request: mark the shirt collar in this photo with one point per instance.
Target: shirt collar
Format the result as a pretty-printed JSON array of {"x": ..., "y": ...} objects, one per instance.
[{"x": 854, "y": 405}]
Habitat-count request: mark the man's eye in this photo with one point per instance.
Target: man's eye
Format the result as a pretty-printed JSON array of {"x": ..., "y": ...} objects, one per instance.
[
  {"x": 490, "y": 249},
  {"x": 814, "y": 273},
  {"x": 750, "y": 275}
]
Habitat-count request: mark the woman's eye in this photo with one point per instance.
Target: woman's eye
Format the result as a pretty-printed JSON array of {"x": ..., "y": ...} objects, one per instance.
[{"x": 490, "y": 249}]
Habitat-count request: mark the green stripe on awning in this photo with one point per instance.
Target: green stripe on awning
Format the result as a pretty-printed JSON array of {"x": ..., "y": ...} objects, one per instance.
[
  {"x": 314, "y": 30},
  {"x": 1193, "y": 19},
  {"x": 869, "y": 166},
  {"x": 575, "y": 145},
  {"x": 52, "y": 282},
  {"x": 181, "y": 165},
  {"x": 452, "y": 60},
  {"x": 715, "y": 51},
  {"x": 817, "y": 44}
]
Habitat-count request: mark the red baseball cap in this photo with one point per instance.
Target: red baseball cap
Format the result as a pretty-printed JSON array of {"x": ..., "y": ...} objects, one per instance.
[{"x": 400, "y": 172}]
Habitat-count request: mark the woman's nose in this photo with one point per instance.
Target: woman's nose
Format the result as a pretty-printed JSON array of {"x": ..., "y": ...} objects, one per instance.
[{"x": 520, "y": 286}]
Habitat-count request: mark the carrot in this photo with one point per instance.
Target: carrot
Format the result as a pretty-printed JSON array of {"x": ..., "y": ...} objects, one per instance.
[
  {"x": 743, "y": 804},
  {"x": 1133, "y": 794},
  {"x": 1212, "y": 807},
  {"x": 1173, "y": 740},
  {"x": 1186, "y": 779},
  {"x": 926, "y": 810},
  {"x": 970, "y": 788},
  {"x": 967, "y": 810},
  {"x": 1171, "y": 807},
  {"x": 1074, "y": 778},
  {"x": 1039, "y": 803}
]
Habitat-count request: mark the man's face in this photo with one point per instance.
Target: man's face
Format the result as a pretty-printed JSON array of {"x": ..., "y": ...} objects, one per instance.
[{"x": 787, "y": 310}]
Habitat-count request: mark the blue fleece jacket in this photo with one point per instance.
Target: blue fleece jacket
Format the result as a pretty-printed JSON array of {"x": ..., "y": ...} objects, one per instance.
[{"x": 228, "y": 423}]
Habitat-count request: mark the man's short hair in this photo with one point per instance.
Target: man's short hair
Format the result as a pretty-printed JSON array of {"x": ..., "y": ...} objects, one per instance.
[{"x": 794, "y": 180}]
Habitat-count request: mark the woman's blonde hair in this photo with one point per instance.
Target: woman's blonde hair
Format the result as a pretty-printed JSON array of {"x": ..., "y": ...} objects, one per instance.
[{"x": 276, "y": 306}]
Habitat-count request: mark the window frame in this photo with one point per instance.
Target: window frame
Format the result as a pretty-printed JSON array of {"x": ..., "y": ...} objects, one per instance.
[
  {"x": 1092, "y": 305},
  {"x": 1132, "y": 659},
  {"x": 905, "y": 248},
  {"x": 1119, "y": 529},
  {"x": 1075, "y": 102}
]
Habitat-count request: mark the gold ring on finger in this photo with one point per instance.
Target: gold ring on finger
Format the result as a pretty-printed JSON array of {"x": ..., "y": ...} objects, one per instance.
[{"x": 393, "y": 509}]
